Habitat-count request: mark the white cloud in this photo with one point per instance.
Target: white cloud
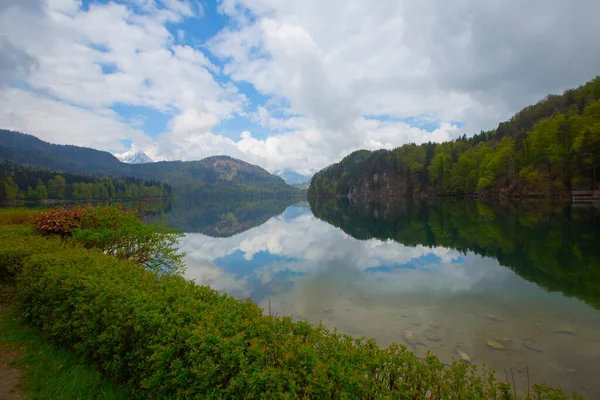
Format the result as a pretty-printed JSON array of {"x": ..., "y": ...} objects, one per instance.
[
  {"x": 404, "y": 58},
  {"x": 325, "y": 68},
  {"x": 69, "y": 48},
  {"x": 340, "y": 61},
  {"x": 62, "y": 123}
]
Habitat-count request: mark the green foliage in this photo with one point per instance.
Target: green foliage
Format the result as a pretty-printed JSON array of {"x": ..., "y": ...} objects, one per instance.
[
  {"x": 17, "y": 245},
  {"x": 544, "y": 150},
  {"x": 123, "y": 235},
  {"x": 17, "y": 216},
  {"x": 165, "y": 337},
  {"x": 19, "y": 182},
  {"x": 11, "y": 189},
  {"x": 117, "y": 232},
  {"x": 439, "y": 170},
  {"x": 52, "y": 373}
]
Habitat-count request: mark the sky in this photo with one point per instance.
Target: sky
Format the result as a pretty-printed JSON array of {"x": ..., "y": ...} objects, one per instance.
[{"x": 283, "y": 84}]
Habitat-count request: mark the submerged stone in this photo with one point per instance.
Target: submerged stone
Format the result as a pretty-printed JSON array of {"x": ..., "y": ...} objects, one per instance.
[
  {"x": 433, "y": 335},
  {"x": 531, "y": 345},
  {"x": 565, "y": 330},
  {"x": 495, "y": 318},
  {"x": 410, "y": 338},
  {"x": 495, "y": 345},
  {"x": 464, "y": 356}
]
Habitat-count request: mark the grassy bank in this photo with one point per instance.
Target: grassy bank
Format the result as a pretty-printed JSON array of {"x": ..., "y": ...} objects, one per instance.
[
  {"x": 50, "y": 372},
  {"x": 161, "y": 336}
]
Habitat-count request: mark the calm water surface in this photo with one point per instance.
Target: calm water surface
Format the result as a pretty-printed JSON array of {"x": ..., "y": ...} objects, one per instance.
[{"x": 510, "y": 285}]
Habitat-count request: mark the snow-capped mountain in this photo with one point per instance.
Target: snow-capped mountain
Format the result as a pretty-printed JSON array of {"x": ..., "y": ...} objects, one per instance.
[
  {"x": 134, "y": 156},
  {"x": 295, "y": 178}
]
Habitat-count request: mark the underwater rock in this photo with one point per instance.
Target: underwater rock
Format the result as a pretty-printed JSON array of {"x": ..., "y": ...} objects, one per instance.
[
  {"x": 464, "y": 356},
  {"x": 433, "y": 335},
  {"x": 495, "y": 345},
  {"x": 410, "y": 338}
]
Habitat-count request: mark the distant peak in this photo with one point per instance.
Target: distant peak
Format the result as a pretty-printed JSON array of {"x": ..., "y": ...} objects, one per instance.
[
  {"x": 292, "y": 177},
  {"x": 134, "y": 155}
]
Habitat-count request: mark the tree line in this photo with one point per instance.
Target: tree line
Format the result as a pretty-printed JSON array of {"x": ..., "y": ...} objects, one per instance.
[
  {"x": 18, "y": 182},
  {"x": 546, "y": 149}
]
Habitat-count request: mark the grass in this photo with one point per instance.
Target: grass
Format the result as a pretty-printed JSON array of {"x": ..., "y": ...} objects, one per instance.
[
  {"x": 17, "y": 215},
  {"x": 51, "y": 372}
]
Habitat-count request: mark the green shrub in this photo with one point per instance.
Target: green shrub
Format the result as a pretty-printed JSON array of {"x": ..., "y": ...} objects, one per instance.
[
  {"x": 17, "y": 244},
  {"x": 51, "y": 372},
  {"x": 168, "y": 338},
  {"x": 124, "y": 235},
  {"x": 117, "y": 232}
]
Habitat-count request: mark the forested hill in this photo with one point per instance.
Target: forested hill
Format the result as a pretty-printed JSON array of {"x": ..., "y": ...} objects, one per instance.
[
  {"x": 29, "y": 150},
  {"x": 212, "y": 176},
  {"x": 547, "y": 149},
  {"x": 19, "y": 182}
]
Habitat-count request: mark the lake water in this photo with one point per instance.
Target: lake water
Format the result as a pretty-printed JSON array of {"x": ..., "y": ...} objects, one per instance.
[{"x": 514, "y": 286}]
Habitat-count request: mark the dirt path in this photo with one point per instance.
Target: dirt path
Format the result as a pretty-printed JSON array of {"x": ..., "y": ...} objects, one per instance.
[{"x": 10, "y": 377}]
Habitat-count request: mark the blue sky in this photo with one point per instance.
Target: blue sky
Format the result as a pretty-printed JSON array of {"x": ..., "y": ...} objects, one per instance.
[{"x": 282, "y": 84}]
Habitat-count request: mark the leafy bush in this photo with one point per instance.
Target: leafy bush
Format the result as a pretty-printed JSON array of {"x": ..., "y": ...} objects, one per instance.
[
  {"x": 60, "y": 221},
  {"x": 123, "y": 235},
  {"x": 17, "y": 245},
  {"x": 168, "y": 338},
  {"x": 117, "y": 232}
]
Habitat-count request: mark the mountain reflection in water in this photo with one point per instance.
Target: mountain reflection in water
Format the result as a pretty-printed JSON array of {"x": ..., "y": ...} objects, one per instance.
[{"x": 510, "y": 285}]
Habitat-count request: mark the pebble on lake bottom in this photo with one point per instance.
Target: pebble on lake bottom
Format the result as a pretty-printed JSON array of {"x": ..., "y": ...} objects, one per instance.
[
  {"x": 531, "y": 345},
  {"x": 410, "y": 338},
  {"x": 433, "y": 335},
  {"x": 464, "y": 356},
  {"x": 495, "y": 345}
]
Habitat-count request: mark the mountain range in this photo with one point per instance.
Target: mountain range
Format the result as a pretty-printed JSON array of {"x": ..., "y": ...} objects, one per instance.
[
  {"x": 214, "y": 176},
  {"x": 135, "y": 155}
]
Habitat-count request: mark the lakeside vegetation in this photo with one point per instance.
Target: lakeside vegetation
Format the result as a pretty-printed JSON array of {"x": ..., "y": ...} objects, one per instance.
[
  {"x": 18, "y": 182},
  {"x": 49, "y": 372},
  {"x": 545, "y": 150},
  {"x": 161, "y": 336}
]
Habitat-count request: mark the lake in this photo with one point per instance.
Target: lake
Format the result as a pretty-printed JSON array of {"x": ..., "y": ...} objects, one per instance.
[{"x": 515, "y": 286}]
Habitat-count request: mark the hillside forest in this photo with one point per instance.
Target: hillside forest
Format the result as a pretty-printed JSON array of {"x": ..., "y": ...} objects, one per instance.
[
  {"x": 545, "y": 150},
  {"x": 19, "y": 182}
]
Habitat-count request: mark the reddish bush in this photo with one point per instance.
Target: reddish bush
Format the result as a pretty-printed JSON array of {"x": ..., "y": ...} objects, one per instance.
[{"x": 60, "y": 221}]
